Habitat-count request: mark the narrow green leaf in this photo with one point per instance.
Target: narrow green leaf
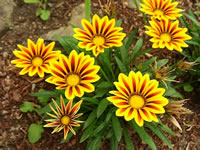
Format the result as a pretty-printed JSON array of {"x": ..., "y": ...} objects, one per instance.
[
  {"x": 162, "y": 62},
  {"x": 95, "y": 144},
  {"x": 87, "y": 132},
  {"x": 104, "y": 75},
  {"x": 192, "y": 19},
  {"x": 99, "y": 128},
  {"x": 45, "y": 93},
  {"x": 166, "y": 128},
  {"x": 109, "y": 114},
  {"x": 159, "y": 133},
  {"x": 124, "y": 55},
  {"x": 116, "y": 128},
  {"x": 130, "y": 38},
  {"x": 136, "y": 48},
  {"x": 121, "y": 66},
  {"x": 114, "y": 143},
  {"x": 102, "y": 107},
  {"x": 27, "y": 106},
  {"x": 183, "y": 21},
  {"x": 105, "y": 84},
  {"x": 128, "y": 141},
  {"x": 118, "y": 22},
  {"x": 31, "y": 1},
  {"x": 90, "y": 119},
  {"x": 34, "y": 132},
  {"x": 87, "y": 9},
  {"x": 90, "y": 99},
  {"x": 143, "y": 135}
]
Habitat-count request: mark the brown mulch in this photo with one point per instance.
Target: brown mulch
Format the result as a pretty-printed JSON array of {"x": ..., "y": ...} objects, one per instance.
[{"x": 16, "y": 89}]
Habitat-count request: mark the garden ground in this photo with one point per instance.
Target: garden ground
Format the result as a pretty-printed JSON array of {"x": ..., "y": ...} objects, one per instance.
[{"x": 16, "y": 89}]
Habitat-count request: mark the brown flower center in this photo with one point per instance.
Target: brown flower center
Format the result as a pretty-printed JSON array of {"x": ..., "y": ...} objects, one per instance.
[
  {"x": 65, "y": 120},
  {"x": 98, "y": 40},
  {"x": 136, "y": 101},
  {"x": 165, "y": 37},
  {"x": 73, "y": 79},
  {"x": 37, "y": 61}
]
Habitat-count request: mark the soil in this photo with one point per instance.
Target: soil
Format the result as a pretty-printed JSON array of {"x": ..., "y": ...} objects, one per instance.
[{"x": 16, "y": 89}]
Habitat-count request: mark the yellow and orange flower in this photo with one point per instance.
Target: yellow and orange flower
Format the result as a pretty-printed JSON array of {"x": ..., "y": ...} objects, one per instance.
[
  {"x": 35, "y": 58},
  {"x": 101, "y": 34},
  {"x": 138, "y": 98},
  {"x": 167, "y": 34},
  {"x": 161, "y": 9},
  {"x": 74, "y": 74},
  {"x": 65, "y": 117}
]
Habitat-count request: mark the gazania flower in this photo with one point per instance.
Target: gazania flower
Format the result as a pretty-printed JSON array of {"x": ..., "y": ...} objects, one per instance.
[
  {"x": 161, "y": 9},
  {"x": 101, "y": 34},
  {"x": 167, "y": 34},
  {"x": 74, "y": 74},
  {"x": 35, "y": 58},
  {"x": 138, "y": 98},
  {"x": 65, "y": 117}
]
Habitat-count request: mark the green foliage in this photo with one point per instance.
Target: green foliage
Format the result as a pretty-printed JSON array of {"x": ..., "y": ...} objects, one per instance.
[
  {"x": 116, "y": 128},
  {"x": 143, "y": 135},
  {"x": 189, "y": 68},
  {"x": 27, "y": 107},
  {"x": 42, "y": 12},
  {"x": 87, "y": 9},
  {"x": 35, "y": 132}
]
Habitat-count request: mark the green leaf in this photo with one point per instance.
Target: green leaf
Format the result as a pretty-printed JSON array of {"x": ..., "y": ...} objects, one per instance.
[
  {"x": 109, "y": 114},
  {"x": 183, "y": 21},
  {"x": 31, "y": 1},
  {"x": 162, "y": 62},
  {"x": 171, "y": 92},
  {"x": 188, "y": 88},
  {"x": 100, "y": 92},
  {"x": 124, "y": 55},
  {"x": 99, "y": 128},
  {"x": 105, "y": 84},
  {"x": 90, "y": 119},
  {"x": 90, "y": 99},
  {"x": 45, "y": 93},
  {"x": 45, "y": 14},
  {"x": 130, "y": 38},
  {"x": 104, "y": 74},
  {"x": 159, "y": 133},
  {"x": 197, "y": 4},
  {"x": 121, "y": 66},
  {"x": 116, "y": 128},
  {"x": 128, "y": 141},
  {"x": 102, "y": 107},
  {"x": 136, "y": 48},
  {"x": 114, "y": 143},
  {"x": 27, "y": 106},
  {"x": 143, "y": 134},
  {"x": 43, "y": 100},
  {"x": 166, "y": 128},
  {"x": 194, "y": 20},
  {"x": 118, "y": 22},
  {"x": 87, "y": 9},
  {"x": 35, "y": 132},
  {"x": 87, "y": 132},
  {"x": 95, "y": 144}
]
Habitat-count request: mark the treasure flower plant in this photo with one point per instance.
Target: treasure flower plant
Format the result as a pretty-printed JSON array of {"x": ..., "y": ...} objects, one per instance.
[{"x": 99, "y": 67}]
